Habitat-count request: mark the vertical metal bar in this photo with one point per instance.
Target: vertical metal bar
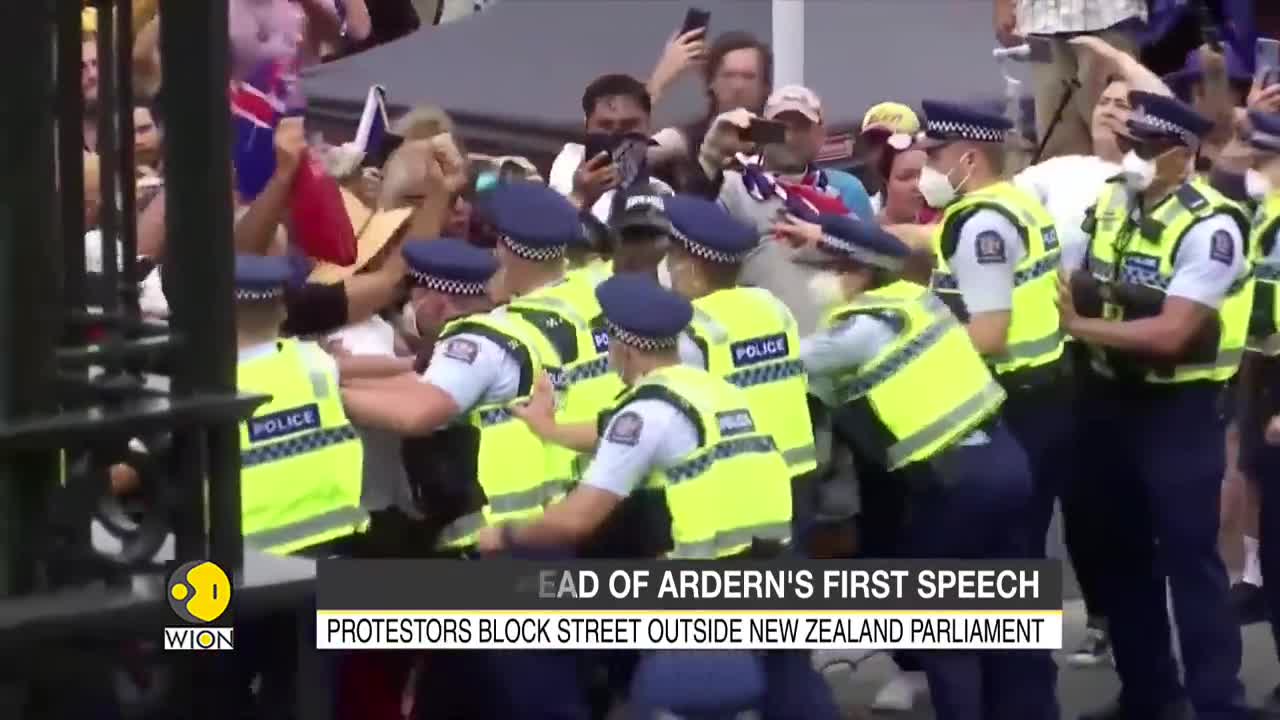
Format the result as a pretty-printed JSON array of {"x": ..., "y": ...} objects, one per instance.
[
  {"x": 193, "y": 46},
  {"x": 28, "y": 291},
  {"x": 109, "y": 161},
  {"x": 71, "y": 158},
  {"x": 128, "y": 288}
]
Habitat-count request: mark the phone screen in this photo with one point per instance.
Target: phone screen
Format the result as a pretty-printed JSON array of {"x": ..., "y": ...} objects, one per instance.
[
  {"x": 1267, "y": 62},
  {"x": 695, "y": 19},
  {"x": 766, "y": 132},
  {"x": 597, "y": 143}
]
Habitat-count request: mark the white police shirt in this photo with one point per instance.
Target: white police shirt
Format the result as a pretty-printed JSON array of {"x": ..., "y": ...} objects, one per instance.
[
  {"x": 1067, "y": 186},
  {"x": 473, "y": 370},
  {"x": 1209, "y": 261},
  {"x": 987, "y": 251},
  {"x": 642, "y": 435}
]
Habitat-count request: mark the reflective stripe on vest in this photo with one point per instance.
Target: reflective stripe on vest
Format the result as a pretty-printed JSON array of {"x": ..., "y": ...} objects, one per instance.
[
  {"x": 1034, "y": 338},
  {"x": 514, "y": 489},
  {"x": 587, "y": 386},
  {"x": 925, "y": 391},
  {"x": 1264, "y": 321},
  {"x": 1120, "y": 253},
  {"x": 751, "y": 340},
  {"x": 301, "y": 459},
  {"x": 704, "y": 490}
]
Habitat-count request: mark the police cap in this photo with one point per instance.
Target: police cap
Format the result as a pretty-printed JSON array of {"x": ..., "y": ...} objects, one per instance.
[
  {"x": 707, "y": 231},
  {"x": 261, "y": 278},
  {"x": 948, "y": 122},
  {"x": 1162, "y": 118},
  {"x": 862, "y": 242},
  {"x": 449, "y": 265},
  {"x": 532, "y": 220},
  {"x": 641, "y": 313}
]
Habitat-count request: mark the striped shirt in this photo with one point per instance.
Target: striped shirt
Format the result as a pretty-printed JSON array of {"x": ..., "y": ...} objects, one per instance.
[{"x": 1050, "y": 17}]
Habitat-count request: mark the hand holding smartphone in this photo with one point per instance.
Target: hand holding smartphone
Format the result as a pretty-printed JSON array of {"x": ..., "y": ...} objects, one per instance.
[
  {"x": 765, "y": 132},
  {"x": 1267, "y": 62},
  {"x": 695, "y": 19}
]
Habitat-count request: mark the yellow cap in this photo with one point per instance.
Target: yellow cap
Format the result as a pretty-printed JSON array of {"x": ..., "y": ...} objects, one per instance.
[
  {"x": 892, "y": 116},
  {"x": 89, "y": 20}
]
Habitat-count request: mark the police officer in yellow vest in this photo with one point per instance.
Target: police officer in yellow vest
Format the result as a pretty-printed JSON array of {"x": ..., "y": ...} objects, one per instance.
[
  {"x": 1260, "y": 430},
  {"x": 996, "y": 251},
  {"x": 1162, "y": 303},
  {"x": 483, "y": 364},
  {"x": 744, "y": 335},
  {"x": 536, "y": 225},
  {"x": 301, "y": 459},
  {"x": 681, "y": 468},
  {"x": 912, "y": 398}
]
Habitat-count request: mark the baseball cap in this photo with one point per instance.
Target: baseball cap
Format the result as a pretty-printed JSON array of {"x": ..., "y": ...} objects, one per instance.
[
  {"x": 891, "y": 117},
  {"x": 794, "y": 98}
]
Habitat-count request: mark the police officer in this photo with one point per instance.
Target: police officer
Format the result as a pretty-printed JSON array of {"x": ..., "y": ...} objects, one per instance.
[
  {"x": 744, "y": 335},
  {"x": 663, "y": 481},
  {"x": 879, "y": 345},
  {"x": 1260, "y": 430},
  {"x": 536, "y": 225},
  {"x": 643, "y": 231},
  {"x": 996, "y": 253},
  {"x": 302, "y": 432},
  {"x": 1163, "y": 307}
]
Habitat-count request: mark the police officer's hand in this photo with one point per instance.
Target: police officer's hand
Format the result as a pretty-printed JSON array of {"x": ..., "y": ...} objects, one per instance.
[
  {"x": 594, "y": 178},
  {"x": 540, "y": 412},
  {"x": 489, "y": 540},
  {"x": 1066, "y": 302}
]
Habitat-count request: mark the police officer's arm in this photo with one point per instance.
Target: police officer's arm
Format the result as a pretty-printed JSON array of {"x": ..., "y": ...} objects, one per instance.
[
  {"x": 540, "y": 415},
  {"x": 690, "y": 353},
  {"x": 839, "y": 349},
  {"x": 464, "y": 370},
  {"x": 639, "y": 437},
  {"x": 987, "y": 251},
  {"x": 371, "y": 366},
  {"x": 1208, "y": 263}
]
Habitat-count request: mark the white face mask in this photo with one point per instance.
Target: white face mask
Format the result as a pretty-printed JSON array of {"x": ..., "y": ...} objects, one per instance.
[
  {"x": 936, "y": 188},
  {"x": 664, "y": 273},
  {"x": 409, "y": 319},
  {"x": 826, "y": 289},
  {"x": 1256, "y": 184},
  {"x": 1138, "y": 173}
]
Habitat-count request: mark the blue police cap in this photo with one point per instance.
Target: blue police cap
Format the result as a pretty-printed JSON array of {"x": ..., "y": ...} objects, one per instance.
[
  {"x": 534, "y": 221},
  {"x": 449, "y": 265},
  {"x": 1265, "y": 131},
  {"x": 641, "y": 313},
  {"x": 1159, "y": 117},
  {"x": 707, "y": 231},
  {"x": 947, "y": 122},
  {"x": 1192, "y": 71},
  {"x": 261, "y": 278},
  {"x": 862, "y": 242}
]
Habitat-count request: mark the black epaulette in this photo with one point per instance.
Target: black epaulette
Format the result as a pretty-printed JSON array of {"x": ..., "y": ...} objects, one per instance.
[
  {"x": 1090, "y": 222},
  {"x": 1191, "y": 198}
]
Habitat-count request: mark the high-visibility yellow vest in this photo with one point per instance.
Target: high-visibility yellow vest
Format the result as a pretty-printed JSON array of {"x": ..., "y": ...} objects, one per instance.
[
  {"x": 1035, "y": 338},
  {"x": 593, "y": 273},
  {"x": 1264, "y": 323},
  {"x": 515, "y": 488},
  {"x": 569, "y": 317},
  {"x": 733, "y": 489},
  {"x": 1134, "y": 262},
  {"x": 750, "y": 339},
  {"x": 923, "y": 392},
  {"x": 301, "y": 461}
]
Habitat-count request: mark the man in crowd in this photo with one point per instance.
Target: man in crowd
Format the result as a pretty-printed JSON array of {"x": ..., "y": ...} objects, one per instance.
[
  {"x": 1162, "y": 303},
  {"x": 1066, "y": 88}
]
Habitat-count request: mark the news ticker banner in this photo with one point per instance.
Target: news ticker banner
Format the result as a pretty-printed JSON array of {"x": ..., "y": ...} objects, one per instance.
[{"x": 670, "y": 605}]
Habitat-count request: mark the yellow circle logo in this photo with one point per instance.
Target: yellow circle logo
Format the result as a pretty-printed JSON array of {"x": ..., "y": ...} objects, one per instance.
[{"x": 199, "y": 592}]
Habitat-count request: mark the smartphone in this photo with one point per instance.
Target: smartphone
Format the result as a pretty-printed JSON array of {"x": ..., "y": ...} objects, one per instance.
[
  {"x": 1041, "y": 50},
  {"x": 597, "y": 143},
  {"x": 1267, "y": 61},
  {"x": 378, "y": 158},
  {"x": 694, "y": 19},
  {"x": 765, "y": 132}
]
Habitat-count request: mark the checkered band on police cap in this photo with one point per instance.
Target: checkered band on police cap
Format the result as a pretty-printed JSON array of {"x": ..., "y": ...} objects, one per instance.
[
  {"x": 255, "y": 295},
  {"x": 1141, "y": 117},
  {"x": 542, "y": 254},
  {"x": 1265, "y": 141},
  {"x": 640, "y": 342},
  {"x": 709, "y": 254},
  {"x": 446, "y": 285},
  {"x": 964, "y": 131},
  {"x": 866, "y": 256}
]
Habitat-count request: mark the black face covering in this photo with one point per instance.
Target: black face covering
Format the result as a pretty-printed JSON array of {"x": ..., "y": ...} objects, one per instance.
[{"x": 627, "y": 151}]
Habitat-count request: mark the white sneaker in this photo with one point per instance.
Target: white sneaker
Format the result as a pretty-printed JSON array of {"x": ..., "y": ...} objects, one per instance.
[{"x": 899, "y": 694}]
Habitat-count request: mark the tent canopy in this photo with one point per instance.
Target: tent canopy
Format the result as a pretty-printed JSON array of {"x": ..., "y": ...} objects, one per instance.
[{"x": 512, "y": 76}]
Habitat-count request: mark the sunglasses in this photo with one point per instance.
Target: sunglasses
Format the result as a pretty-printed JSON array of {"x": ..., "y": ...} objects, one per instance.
[{"x": 1145, "y": 149}]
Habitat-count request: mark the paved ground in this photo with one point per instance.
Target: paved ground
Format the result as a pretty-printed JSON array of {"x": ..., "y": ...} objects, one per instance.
[{"x": 1079, "y": 690}]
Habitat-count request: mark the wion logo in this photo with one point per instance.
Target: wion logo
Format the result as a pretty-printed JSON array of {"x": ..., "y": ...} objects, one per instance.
[{"x": 199, "y": 592}]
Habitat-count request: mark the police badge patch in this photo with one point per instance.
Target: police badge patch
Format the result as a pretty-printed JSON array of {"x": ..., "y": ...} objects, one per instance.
[
  {"x": 1222, "y": 248},
  {"x": 625, "y": 429},
  {"x": 462, "y": 350},
  {"x": 990, "y": 248}
]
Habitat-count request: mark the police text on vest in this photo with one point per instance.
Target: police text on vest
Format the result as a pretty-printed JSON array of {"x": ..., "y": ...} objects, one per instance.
[
  {"x": 284, "y": 423},
  {"x": 758, "y": 350}
]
